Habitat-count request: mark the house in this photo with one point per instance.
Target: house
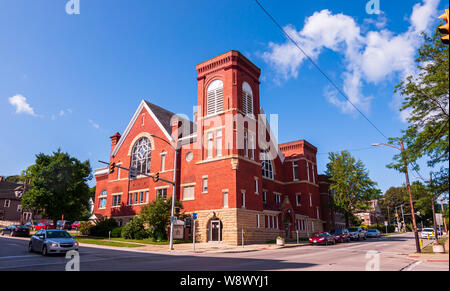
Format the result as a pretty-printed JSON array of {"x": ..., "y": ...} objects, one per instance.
[
  {"x": 331, "y": 218},
  {"x": 373, "y": 215},
  {"x": 230, "y": 169},
  {"x": 10, "y": 203}
]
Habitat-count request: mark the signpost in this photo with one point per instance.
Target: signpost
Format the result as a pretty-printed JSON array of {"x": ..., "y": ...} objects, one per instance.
[
  {"x": 194, "y": 218},
  {"x": 386, "y": 224}
]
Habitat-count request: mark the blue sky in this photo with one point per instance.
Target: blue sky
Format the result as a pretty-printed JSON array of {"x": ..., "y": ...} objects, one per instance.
[{"x": 72, "y": 81}]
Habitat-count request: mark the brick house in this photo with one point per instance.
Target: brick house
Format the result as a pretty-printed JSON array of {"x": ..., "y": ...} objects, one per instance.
[
  {"x": 331, "y": 219},
  {"x": 373, "y": 215},
  {"x": 230, "y": 169}
]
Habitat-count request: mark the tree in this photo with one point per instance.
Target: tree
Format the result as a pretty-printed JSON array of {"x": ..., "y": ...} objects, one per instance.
[
  {"x": 350, "y": 182},
  {"x": 58, "y": 186},
  {"x": 157, "y": 216},
  {"x": 427, "y": 105}
]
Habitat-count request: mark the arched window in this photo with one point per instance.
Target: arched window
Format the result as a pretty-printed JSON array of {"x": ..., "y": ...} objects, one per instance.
[
  {"x": 214, "y": 97},
  {"x": 266, "y": 165},
  {"x": 247, "y": 99},
  {"x": 141, "y": 155}
]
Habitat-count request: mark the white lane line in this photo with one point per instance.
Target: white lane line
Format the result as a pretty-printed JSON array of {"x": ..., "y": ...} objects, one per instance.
[
  {"x": 412, "y": 266},
  {"x": 15, "y": 257}
]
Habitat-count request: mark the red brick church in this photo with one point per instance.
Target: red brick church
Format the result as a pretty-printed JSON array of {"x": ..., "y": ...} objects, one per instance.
[{"x": 230, "y": 169}]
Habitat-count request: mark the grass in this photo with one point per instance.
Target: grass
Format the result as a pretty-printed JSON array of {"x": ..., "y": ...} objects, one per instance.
[
  {"x": 429, "y": 248},
  {"x": 104, "y": 242},
  {"x": 119, "y": 240}
]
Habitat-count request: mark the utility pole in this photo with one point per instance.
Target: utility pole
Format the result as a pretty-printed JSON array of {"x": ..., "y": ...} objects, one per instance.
[
  {"x": 443, "y": 215},
  {"x": 403, "y": 219},
  {"x": 408, "y": 186},
  {"x": 436, "y": 241}
]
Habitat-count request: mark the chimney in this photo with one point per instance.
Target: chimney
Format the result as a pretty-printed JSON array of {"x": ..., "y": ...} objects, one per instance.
[{"x": 114, "y": 140}]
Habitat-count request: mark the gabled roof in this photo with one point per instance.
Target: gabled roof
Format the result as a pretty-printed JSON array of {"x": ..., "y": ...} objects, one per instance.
[{"x": 161, "y": 116}]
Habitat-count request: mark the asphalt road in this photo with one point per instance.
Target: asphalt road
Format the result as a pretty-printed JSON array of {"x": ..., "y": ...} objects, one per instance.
[{"x": 388, "y": 253}]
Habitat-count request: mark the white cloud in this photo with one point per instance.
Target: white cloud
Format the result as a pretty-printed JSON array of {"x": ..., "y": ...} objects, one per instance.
[
  {"x": 20, "y": 102},
  {"x": 370, "y": 57},
  {"x": 95, "y": 125}
]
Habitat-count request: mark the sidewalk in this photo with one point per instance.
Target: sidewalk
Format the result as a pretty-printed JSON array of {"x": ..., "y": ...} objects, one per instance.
[
  {"x": 432, "y": 257},
  {"x": 216, "y": 247}
]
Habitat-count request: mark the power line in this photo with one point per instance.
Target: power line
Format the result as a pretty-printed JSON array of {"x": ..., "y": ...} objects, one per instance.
[{"x": 317, "y": 67}]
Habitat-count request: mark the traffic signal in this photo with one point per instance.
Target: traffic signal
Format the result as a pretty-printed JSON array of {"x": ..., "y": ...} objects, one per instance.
[
  {"x": 156, "y": 177},
  {"x": 132, "y": 173},
  {"x": 177, "y": 210},
  {"x": 111, "y": 167},
  {"x": 443, "y": 29}
]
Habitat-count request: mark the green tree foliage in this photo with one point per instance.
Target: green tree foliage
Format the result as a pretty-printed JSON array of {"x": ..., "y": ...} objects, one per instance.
[
  {"x": 426, "y": 101},
  {"x": 103, "y": 226},
  {"x": 350, "y": 182},
  {"x": 135, "y": 225},
  {"x": 58, "y": 186},
  {"x": 157, "y": 216}
]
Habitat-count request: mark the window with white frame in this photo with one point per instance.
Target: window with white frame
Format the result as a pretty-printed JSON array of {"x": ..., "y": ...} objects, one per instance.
[
  {"x": 243, "y": 199},
  {"x": 209, "y": 145},
  {"x": 205, "y": 185},
  {"x": 257, "y": 220},
  {"x": 116, "y": 200},
  {"x": 298, "y": 199},
  {"x": 214, "y": 98},
  {"x": 219, "y": 143},
  {"x": 264, "y": 197},
  {"x": 225, "y": 199},
  {"x": 313, "y": 174},
  {"x": 247, "y": 99},
  {"x": 256, "y": 186},
  {"x": 102, "y": 203},
  {"x": 307, "y": 170},
  {"x": 266, "y": 165},
  {"x": 246, "y": 143},
  {"x": 317, "y": 210},
  {"x": 252, "y": 147},
  {"x": 141, "y": 155},
  {"x": 277, "y": 198},
  {"x": 7, "y": 203},
  {"x": 161, "y": 193},
  {"x": 188, "y": 193},
  {"x": 310, "y": 200},
  {"x": 295, "y": 170},
  {"x": 130, "y": 199},
  {"x": 19, "y": 208},
  {"x": 163, "y": 162}
]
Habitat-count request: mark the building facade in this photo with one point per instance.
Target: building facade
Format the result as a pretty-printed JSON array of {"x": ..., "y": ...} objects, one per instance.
[
  {"x": 373, "y": 215},
  {"x": 11, "y": 211},
  {"x": 230, "y": 169}
]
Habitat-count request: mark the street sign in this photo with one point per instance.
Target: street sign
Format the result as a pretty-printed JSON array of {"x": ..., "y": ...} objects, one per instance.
[
  {"x": 173, "y": 219},
  {"x": 386, "y": 223},
  {"x": 133, "y": 173},
  {"x": 194, "y": 216},
  {"x": 439, "y": 218}
]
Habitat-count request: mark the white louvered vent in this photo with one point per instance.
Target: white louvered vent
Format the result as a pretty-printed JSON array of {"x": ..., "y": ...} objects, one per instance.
[{"x": 214, "y": 98}]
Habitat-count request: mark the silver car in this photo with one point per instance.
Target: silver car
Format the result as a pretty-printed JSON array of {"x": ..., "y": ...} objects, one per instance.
[
  {"x": 427, "y": 233},
  {"x": 357, "y": 233},
  {"x": 373, "y": 233},
  {"x": 52, "y": 241}
]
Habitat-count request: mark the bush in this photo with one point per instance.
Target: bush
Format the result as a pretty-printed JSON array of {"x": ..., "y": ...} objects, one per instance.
[
  {"x": 142, "y": 234},
  {"x": 117, "y": 232},
  {"x": 85, "y": 228},
  {"x": 103, "y": 227},
  {"x": 130, "y": 230}
]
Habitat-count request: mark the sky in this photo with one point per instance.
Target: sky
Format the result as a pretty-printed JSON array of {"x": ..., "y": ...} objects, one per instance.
[{"x": 72, "y": 78}]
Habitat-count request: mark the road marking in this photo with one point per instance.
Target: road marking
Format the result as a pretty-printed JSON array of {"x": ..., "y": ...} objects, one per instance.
[
  {"x": 410, "y": 267},
  {"x": 15, "y": 257}
]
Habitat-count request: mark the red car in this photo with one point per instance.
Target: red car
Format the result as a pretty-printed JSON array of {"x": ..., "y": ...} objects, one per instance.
[
  {"x": 76, "y": 224},
  {"x": 44, "y": 225},
  {"x": 340, "y": 235},
  {"x": 322, "y": 238}
]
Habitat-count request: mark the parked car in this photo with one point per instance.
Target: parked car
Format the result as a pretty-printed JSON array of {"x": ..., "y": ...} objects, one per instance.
[
  {"x": 77, "y": 224},
  {"x": 357, "y": 233},
  {"x": 373, "y": 233},
  {"x": 427, "y": 233},
  {"x": 31, "y": 225},
  {"x": 16, "y": 230},
  {"x": 52, "y": 241},
  {"x": 44, "y": 225},
  {"x": 323, "y": 238},
  {"x": 63, "y": 224},
  {"x": 340, "y": 235}
]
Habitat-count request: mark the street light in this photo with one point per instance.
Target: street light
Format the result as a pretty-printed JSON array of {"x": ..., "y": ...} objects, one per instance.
[
  {"x": 408, "y": 187},
  {"x": 174, "y": 185}
]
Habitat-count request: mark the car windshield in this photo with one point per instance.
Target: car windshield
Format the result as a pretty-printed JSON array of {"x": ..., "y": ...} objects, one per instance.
[
  {"x": 372, "y": 230},
  {"x": 58, "y": 234},
  {"x": 428, "y": 229},
  {"x": 353, "y": 229},
  {"x": 320, "y": 234},
  {"x": 336, "y": 231},
  {"x": 21, "y": 226}
]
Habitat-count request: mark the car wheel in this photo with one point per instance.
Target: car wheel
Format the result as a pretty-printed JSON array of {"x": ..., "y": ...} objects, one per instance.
[
  {"x": 30, "y": 247},
  {"x": 364, "y": 238},
  {"x": 44, "y": 250}
]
